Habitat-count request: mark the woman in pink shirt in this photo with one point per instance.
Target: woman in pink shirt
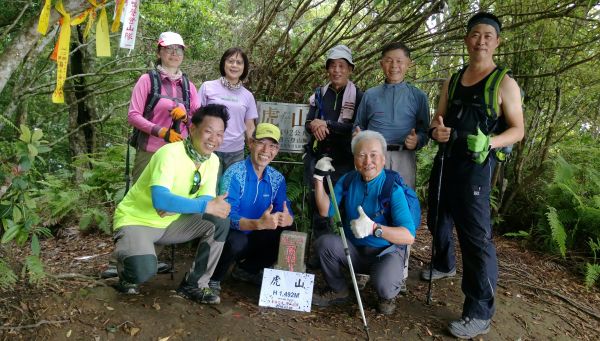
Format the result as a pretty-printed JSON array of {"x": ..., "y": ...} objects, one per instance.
[
  {"x": 170, "y": 109},
  {"x": 230, "y": 91}
]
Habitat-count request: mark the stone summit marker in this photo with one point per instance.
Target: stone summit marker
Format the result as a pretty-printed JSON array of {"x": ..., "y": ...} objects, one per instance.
[{"x": 292, "y": 246}]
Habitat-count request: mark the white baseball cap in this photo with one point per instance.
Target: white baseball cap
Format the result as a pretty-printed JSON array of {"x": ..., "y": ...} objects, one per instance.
[
  {"x": 340, "y": 52},
  {"x": 170, "y": 38}
]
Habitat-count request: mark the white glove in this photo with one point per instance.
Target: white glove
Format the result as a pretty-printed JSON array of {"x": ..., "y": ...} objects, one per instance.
[
  {"x": 323, "y": 167},
  {"x": 363, "y": 225}
]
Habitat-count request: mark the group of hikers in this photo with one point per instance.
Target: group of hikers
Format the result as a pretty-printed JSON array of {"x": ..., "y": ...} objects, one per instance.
[{"x": 191, "y": 180}]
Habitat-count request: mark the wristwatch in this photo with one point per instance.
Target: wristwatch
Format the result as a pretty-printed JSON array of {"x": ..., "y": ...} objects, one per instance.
[{"x": 378, "y": 232}]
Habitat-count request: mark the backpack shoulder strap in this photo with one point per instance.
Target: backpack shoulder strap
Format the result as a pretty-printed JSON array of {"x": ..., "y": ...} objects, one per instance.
[
  {"x": 154, "y": 94},
  {"x": 492, "y": 87},
  {"x": 454, "y": 79},
  {"x": 319, "y": 101},
  {"x": 350, "y": 176},
  {"x": 185, "y": 91},
  {"x": 385, "y": 196}
]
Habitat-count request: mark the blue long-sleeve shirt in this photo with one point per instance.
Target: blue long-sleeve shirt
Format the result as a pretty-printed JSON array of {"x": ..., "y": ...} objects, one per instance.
[
  {"x": 393, "y": 110},
  {"x": 249, "y": 196},
  {"x": 366, "y": 194}
]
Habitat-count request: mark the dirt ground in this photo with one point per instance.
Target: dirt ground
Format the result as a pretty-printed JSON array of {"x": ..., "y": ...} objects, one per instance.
[{"x": 537, "y": 299}]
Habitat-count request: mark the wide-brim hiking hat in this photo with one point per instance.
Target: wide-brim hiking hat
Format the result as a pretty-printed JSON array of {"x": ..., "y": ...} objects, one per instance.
[
  {"x": 339, "y": 52},
  {"x": 267, "y": 130},
  {"x": 170, "y": 38}
]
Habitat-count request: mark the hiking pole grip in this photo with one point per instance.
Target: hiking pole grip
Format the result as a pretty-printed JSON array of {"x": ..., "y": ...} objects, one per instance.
[
  {"x": 442, "y": 154},
  {"x": 338, "y": 219}
]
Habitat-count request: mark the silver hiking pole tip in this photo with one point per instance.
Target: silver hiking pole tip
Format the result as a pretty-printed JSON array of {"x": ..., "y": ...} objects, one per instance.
[{"x": 338, "y": 223}]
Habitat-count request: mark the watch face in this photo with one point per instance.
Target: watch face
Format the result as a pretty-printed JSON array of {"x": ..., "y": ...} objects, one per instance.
[{"x": 378, "y": 232}]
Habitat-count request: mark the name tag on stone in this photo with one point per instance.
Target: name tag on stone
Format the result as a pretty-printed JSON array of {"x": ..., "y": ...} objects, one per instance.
[{"x": 286, "y": 290}]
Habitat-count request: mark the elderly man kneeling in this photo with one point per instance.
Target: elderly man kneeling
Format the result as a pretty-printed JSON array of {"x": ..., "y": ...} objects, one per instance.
[{"x": 376, "y": 246}]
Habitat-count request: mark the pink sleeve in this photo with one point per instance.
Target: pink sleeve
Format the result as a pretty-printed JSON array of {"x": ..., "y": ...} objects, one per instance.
[{"x": 135, "y": 116}]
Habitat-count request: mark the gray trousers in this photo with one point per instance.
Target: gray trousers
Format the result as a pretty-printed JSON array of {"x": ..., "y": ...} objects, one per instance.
[
  {"x": 136, "y": 258},
  {"x": 405, "y": 163},
  {"x": 386, "y": 271}
]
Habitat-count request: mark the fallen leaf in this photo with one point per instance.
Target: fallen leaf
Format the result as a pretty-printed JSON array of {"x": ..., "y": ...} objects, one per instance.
[
  {"x": 69, "y": 333},
  {"x": 109, "y": 307},
  {"x": 133, "y": 331},
  {"x": 156, "y": 306},
  {"x": 163, "y": 338},
  {"x": 428, "y": 331}
]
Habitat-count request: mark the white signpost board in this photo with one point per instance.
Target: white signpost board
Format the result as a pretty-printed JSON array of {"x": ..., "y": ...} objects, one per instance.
[
  {"x": 286, "y": 290},
  {"x": 290, "y": 120}
]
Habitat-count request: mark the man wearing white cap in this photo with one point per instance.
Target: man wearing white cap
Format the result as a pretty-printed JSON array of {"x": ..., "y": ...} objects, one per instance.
[
  {"x": 329, "y": 124},
  {"x": 260, "y": 210}
]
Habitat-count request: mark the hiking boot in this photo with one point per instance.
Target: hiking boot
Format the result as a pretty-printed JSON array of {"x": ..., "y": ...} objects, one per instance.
[
  {"x": 111, "y": 271},
  {"x": 387, "y": 306},
  {"x": 329, "y": 297},
  {"x": 362, "y": 280},
  {"x": 468, "y": 328},
  {"x": 435, "y": 274},
  {"x": 198, "y": 295},
  {"x": 403, "y": 291},
  {"x": 215, "y": 286},
  {"x": 127, "y": 288},
  {"x": 245, "y": 276}
]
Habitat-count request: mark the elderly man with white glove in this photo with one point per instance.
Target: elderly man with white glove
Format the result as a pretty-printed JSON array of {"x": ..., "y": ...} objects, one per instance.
[{"x": 377, "y": 233}]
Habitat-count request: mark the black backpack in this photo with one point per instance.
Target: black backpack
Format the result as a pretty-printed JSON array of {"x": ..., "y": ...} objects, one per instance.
[{"x": 137, "y": 138}]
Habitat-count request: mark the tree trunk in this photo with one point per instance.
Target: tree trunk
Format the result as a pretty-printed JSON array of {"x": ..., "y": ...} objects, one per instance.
[
  {"x": 15, "y": 52},
  {"x": 81, "y": 109}
]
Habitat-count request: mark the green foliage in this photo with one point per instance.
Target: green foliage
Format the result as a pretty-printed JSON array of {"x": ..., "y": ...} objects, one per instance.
[
  {"x": 569, "y": 212},
  {"x": 7, "y": 276},
  {"x": 519, "y": 234},
  {"x": 19, "y": 213},
  {"x": 34, "y": 270},
  {"x": 559, "y": 236},
  {"x": 288, "y": 165},
  {"x": 592, "y": 273},
  {"x": 88, "y": 203}
]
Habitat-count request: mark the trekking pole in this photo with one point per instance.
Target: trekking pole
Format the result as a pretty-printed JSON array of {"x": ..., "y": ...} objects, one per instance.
[
  {"x": 347, "y": 252},
  {"x": 437, "y": 218}
]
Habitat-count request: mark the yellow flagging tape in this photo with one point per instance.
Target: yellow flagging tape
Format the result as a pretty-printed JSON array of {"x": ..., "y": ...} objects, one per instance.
[
  {"x": 44, "y": 18},
  {"x": 62, "y": 58},
  {"x": 118, "y": 12},
  {"x": 102, "y": 34}
]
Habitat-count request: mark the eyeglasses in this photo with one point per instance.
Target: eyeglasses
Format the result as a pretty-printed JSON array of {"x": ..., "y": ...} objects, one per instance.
[
  {"x": 196, "y": 182},
  {"x": 174, "y": 50},
  {"x": 263, "y": 144}
]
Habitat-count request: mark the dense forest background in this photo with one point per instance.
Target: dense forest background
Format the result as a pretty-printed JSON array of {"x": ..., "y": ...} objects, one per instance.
[{"x": 63, "y": 164}]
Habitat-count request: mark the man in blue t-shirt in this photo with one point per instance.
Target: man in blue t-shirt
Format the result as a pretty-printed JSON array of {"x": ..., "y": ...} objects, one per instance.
[
  {"x": 376, "y": 246},
  {"x": 260, "y": 210}
]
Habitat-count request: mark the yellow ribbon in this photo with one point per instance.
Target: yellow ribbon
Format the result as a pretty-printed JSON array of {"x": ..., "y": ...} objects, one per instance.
[
  {"x": 102, "y": 35},
  {"x": 118, "y": 12},
  {"x": 62, "y": 59},
  {"x": 44, "y": 18}
]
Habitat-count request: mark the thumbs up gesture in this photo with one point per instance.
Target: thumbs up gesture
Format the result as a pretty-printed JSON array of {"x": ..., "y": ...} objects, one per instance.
[
  {"x": 218, "y": 206},
  {"x": 267, "y": 220},
  {"x": 362, "y": 226},
  {"x": 441, "y": 133},
  {"x": 411, "y": 140},
  {"x": 284, "y": 218}
]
